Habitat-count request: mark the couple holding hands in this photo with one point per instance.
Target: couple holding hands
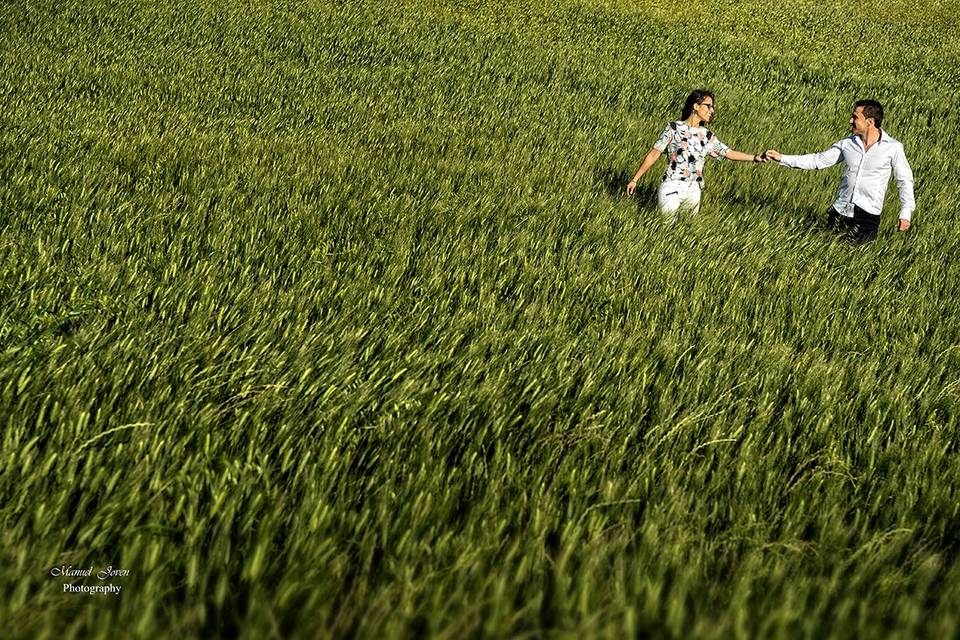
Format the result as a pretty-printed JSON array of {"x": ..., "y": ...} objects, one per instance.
[{"x": 869, "y": 156}]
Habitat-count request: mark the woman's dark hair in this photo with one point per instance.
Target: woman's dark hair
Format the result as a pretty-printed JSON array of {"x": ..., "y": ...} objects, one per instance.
[{"x": 696, "y": 97}]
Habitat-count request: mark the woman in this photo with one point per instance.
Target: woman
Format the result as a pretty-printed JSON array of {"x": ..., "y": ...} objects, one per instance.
[{"x": 687, "y": 143}]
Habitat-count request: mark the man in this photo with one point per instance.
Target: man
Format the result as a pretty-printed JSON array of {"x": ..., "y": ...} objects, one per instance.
[{"x": 869, "y": 155}]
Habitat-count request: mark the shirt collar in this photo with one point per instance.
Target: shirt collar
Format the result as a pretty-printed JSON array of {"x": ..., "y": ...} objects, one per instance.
[{"x": 882, "y": 138}]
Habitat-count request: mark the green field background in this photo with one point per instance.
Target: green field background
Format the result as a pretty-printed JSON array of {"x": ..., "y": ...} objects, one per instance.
[{"x": 332, "y": 320}]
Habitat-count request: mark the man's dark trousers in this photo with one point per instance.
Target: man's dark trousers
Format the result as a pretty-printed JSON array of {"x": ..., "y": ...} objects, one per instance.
[{"x": 860, "y": 229}]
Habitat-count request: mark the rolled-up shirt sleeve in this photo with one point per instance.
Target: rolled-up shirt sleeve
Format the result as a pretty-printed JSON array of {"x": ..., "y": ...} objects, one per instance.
[
  {"x": 904, "y": 177},
  {"x": 820, "y": 160}
]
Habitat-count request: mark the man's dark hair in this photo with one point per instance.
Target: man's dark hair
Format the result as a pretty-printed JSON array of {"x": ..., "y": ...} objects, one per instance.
[
  {"x": 696, "y": 97},
  {"x": 871, "y": 109}
]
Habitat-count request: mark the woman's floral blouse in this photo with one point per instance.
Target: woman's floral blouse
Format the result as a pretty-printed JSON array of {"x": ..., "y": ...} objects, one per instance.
[{"x": 687, "y": 148}]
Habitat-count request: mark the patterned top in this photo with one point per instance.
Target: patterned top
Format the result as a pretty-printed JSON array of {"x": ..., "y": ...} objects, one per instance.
[{"x": 687, "y": 148}]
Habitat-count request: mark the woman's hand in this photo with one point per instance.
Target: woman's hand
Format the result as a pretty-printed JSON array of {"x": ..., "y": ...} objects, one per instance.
[{"x": 631, "y": 187}]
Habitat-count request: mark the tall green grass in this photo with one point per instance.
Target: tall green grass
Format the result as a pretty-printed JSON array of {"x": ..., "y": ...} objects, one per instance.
[{"x": 331, "y": 320}]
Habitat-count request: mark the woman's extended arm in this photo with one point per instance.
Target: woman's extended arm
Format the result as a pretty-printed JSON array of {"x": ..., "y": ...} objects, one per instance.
[
  {"x": 744, "y": 157},
  {"x": 648, "y": 161}
]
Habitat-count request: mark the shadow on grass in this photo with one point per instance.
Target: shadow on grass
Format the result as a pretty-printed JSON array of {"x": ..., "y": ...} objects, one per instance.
[
  {"x": 756, "y": 200},
  {"x": 613, "y": 182}
]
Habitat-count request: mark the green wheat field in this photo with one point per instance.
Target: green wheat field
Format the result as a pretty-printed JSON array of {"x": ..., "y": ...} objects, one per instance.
[{"x": 332, "y": 320}]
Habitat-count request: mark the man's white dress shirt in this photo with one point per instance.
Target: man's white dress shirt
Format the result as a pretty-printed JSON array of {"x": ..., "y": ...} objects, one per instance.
[{"x": 865, "y": 175}]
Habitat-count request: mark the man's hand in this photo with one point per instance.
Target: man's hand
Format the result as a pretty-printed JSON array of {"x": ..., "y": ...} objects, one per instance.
[
  {"x": 903, "y": 225},
  {"x": 631, "y": 187},
  {"x": 772, "y": 154}
]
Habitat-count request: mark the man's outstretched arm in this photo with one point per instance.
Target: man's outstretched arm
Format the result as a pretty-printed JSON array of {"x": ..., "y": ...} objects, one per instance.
[{"x": 820, "y": 160}]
